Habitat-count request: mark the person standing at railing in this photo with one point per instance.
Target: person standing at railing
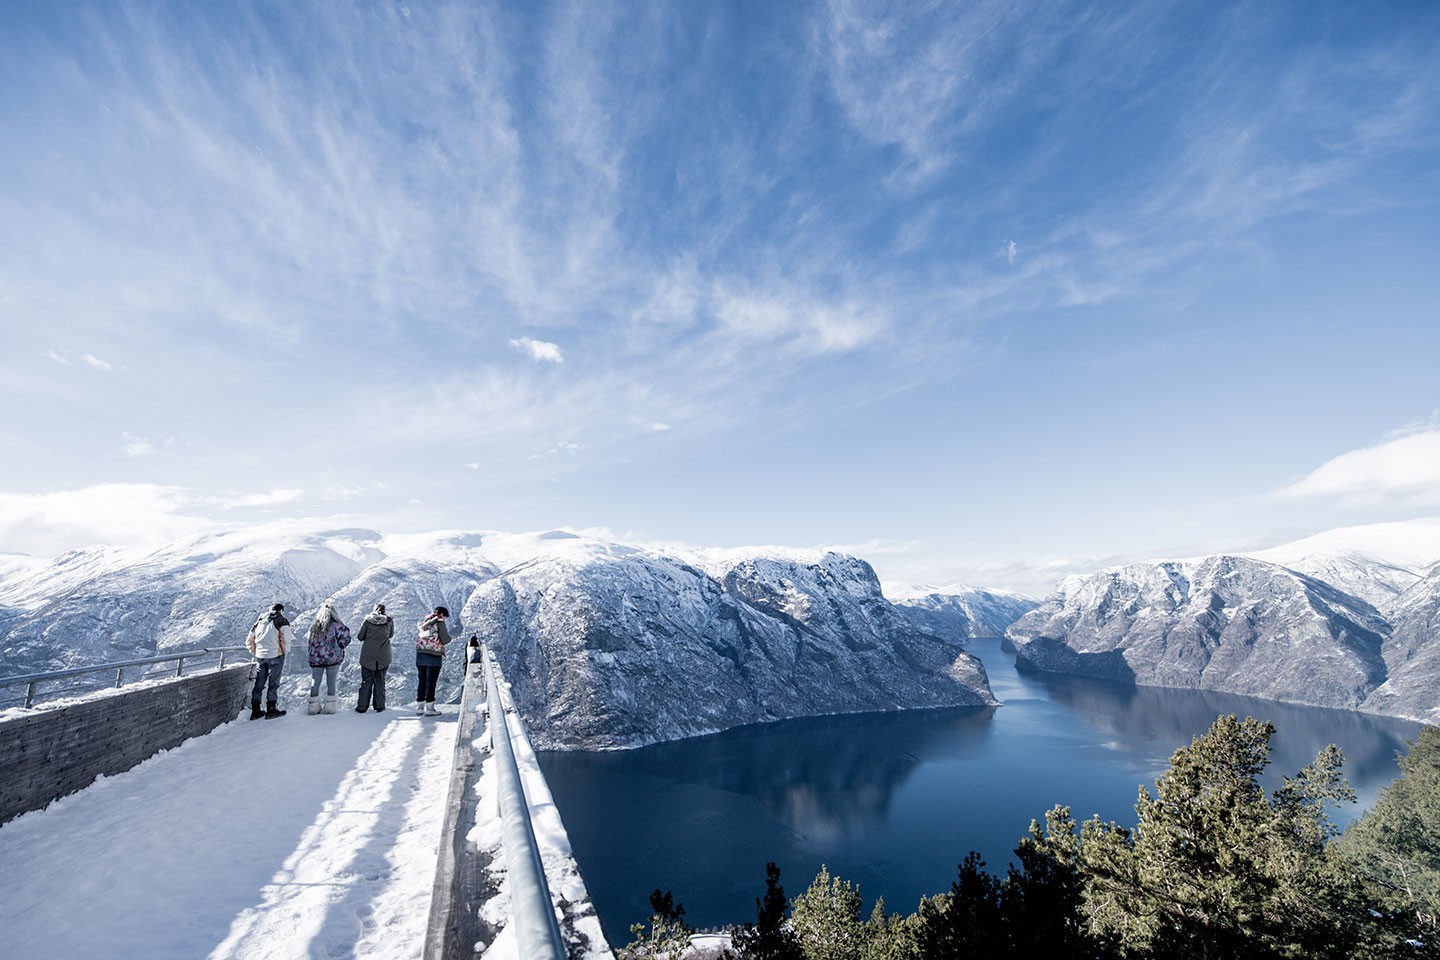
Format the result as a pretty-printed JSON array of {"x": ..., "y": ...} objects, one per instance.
[
  {"x": 266, "y": 641},
  {"x": 429, "y": 655},
  {"x": 326, "y": 649},
  {"x": 374, "y": 636}
]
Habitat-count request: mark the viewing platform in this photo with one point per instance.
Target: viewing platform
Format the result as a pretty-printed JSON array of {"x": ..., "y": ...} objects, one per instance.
[{"x": 345, "y": 835}]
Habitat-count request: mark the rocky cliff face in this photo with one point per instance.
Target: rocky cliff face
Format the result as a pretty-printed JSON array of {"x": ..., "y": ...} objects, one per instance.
[
  {"x": 961, "y": 614},
  {"x": 1222, "y": 623},
  {"x": 1412, "y": 656},
  {"x": 626, "y": 648},
  {"x": 606, "y": 645}
]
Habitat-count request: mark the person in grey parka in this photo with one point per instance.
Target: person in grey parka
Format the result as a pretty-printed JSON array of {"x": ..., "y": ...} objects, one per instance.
[{"x": 374, "y": 636}]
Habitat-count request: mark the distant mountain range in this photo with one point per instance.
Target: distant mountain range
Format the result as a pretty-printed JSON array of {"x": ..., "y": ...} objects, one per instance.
[
  {"x": 1324, "y": 621},
  {"x": 610, "y": 645},
  {"x": 605, "y": 645}
]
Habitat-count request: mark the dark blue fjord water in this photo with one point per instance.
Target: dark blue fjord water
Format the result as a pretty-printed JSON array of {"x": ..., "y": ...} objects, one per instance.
[{"x": 892, "y": 802}]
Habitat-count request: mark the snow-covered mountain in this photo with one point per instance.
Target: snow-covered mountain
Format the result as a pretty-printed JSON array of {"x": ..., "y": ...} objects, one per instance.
[
  {"x": 623, "y": 647},
  {"x": 1223, "y": 623},
  {"x": 1412, "y": 655},
  {"x": 1376, "y": 562},
  {"x": 607, "y": 645},
  {"x": 1348, "y": 618},
  {"x": 959, "y": 612}
]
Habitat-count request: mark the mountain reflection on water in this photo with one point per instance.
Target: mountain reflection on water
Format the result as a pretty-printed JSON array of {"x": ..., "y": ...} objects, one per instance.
[{"x": 893, "y": 801}]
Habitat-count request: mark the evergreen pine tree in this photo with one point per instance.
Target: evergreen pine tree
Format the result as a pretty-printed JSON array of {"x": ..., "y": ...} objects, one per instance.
[
  {"x": 889, "y": 936},
  {"x": 1396, "y": 847},
  {"x": 825, "y": 919},
  {"x": 967, "y": 921},
  {"x": 1215, "y": 868},
  {"x": 769, "y": 938},
  {"x": 1042, "y": 900},
  {"x": 668, "y": 936}
]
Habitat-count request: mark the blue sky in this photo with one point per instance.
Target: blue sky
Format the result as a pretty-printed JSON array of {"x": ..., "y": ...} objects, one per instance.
[{"x": 985, "y": 291}]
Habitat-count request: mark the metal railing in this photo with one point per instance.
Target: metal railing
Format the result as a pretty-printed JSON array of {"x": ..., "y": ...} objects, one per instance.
[
  {"x": 537, "y": 933},
  {"x": 30, "y": 680}
]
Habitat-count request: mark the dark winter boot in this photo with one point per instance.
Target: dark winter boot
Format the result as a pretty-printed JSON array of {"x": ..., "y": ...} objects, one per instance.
[
  {"x": 255, "y": 712},
  {"x": 271, "y": 712}
]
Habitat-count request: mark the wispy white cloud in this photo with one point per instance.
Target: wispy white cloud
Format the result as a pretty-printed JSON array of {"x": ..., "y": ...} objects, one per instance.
[
  {"x": 541, "y": 351},
  {"x": 136, "y": 446},
  {"x": 1405, "y": 469},
  {"x": 926, "y": 77},
  {"x": 813, "y": 325},
  {"x": 55, "y": 357},
  {"x": 97, "y": 363},
  {"x": 563, "y": 447},
  {"x": 117, "y": 514}
]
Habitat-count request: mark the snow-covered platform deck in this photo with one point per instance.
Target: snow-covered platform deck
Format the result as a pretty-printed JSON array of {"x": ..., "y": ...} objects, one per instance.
[{"x": 300, "y": 837}]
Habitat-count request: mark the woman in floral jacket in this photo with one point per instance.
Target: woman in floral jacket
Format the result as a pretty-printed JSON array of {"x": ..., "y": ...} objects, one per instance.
[
  {"x": 429, "y": 655},
  {"x": 328, "y": 639}
]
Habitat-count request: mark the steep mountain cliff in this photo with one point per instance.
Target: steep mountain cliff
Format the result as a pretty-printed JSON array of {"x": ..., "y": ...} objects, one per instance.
[
  {"x": 622, "y": 648},
  {"x": 1412, "y": 655},
  {"x": 1222, "y": 623}
]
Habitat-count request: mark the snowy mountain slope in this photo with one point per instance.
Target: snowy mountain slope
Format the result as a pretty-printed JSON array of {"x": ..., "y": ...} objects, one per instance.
[
  {"x": 607, "y": 644},
  {"x": 1222, "y": 623},
  {"x": 959, "y": 612},
  {"x": 1376, "y": 581},
  {"x": 622, "y": 650},
  {"x": 1376, "y": 562},
  {"x": 1412, "y": 655},
  {"x": 113, "y": 605}
]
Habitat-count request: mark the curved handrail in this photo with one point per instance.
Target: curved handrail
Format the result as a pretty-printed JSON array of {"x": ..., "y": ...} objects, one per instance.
[{"x": 537, "y": 932}]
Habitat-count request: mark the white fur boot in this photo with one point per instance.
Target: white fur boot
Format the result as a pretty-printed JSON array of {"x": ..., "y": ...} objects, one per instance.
[
  {"x": 312, "y": 706},
  {"x": 329, "y": 705}
]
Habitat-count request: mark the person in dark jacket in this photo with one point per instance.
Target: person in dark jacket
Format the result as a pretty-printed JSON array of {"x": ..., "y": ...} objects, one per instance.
[
  {"x": 429, "y": 655},
  {"x": 374, "y": 636}
]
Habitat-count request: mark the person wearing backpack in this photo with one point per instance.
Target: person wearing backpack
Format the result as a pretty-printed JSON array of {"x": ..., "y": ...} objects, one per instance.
[
  {"x": 429, "y": 655},
  {"x": 326, "y": 648},
  {"x": 374, "y": 636},
  {"x": 266, "y": 642}
]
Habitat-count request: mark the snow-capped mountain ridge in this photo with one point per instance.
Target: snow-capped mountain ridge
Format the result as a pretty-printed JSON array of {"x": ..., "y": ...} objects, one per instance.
[
  {"x": 1239, "y": 625},
  {"x": 607, "y": 644}
]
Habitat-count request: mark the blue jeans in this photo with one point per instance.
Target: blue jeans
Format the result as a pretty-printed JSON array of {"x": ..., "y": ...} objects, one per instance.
[
  {"x": 428, "y": 676},
  {"x": 329, "y": 674},
  {"x": 267, "y": 678}
]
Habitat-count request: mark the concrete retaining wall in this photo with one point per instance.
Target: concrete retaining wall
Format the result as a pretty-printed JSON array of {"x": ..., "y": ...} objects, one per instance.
[{"x": 54, "y": 751}]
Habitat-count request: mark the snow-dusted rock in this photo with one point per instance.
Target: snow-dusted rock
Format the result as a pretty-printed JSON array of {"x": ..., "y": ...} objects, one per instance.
[
  {"x": 1412, "y": 655},
  {"x": 1222, "y": 623},
  {"x": 961, "y": 613},
  {"x": 622, "y": 648}
]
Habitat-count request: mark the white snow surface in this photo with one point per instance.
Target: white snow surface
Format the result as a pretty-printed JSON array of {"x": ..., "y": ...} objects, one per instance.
[
  {"x": 1412, "y": 544},
  {"x": 302, "y": 837}
]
